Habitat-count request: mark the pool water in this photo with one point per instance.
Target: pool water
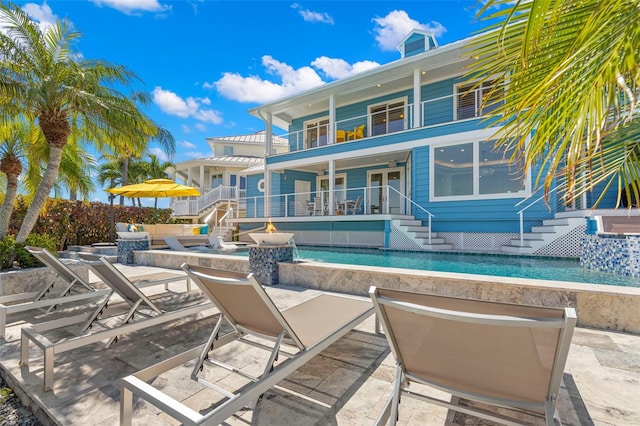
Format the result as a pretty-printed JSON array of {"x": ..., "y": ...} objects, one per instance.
[{"x": 554, "y": 269}]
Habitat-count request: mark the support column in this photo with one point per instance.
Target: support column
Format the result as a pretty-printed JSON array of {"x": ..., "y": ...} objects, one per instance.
[
  {"x": 331, "y": 131},
  {"x": 417, "y": 116},
  {"x": 202, "y": 178},
  {"x": 267, "y": 173},
  {"x": 332, "y": 187},
  {"x": 189, "y": 179}
]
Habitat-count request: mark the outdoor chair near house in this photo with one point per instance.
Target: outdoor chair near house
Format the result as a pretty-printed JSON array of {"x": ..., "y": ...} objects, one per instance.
[
  {"x": 358, "y": 133},
  {"x": 318, "y": 209},
  {"x": 494, "y": 354},
  {"x": 218, "y": 244},
  {"x": 354, "y": 207},
  {"x": 110, "y": 326},
  {"x": 47, "y": 299},
  {"x": 306, "y": 329}
]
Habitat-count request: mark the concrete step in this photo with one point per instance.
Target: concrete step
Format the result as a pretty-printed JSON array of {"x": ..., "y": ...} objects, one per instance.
[
  {"x": 434, "y": 240},
  {"x": 437, "y": 246},
  {"x": 407, "y": 222}
]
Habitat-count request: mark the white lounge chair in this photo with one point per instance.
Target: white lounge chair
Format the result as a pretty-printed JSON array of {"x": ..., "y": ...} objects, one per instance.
[
  {"x": 46, "y": 298},
  {"x": 498, "y": 354},
  {"x": 118, "y": 283},
  {"x": 309, "y": 328}
]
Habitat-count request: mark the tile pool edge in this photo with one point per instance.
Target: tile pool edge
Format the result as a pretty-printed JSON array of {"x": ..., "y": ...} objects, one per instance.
[{"x": 597, "y": 305}]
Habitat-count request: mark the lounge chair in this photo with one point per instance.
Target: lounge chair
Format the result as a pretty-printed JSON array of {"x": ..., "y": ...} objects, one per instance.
[
  {"x": 118, "y": 283},
  {"x": 498, "y": 354},
  {"x": 309, "y": 328},
  {"x": 46, "y": 298},
  {"x": 219, "y": 245}
]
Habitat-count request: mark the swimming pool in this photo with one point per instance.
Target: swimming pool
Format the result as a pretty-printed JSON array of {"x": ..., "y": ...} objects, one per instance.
[{"x": 554, "y": 269}]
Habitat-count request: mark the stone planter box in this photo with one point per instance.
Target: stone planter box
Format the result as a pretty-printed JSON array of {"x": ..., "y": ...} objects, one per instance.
[{"x": 33, "y": 279}]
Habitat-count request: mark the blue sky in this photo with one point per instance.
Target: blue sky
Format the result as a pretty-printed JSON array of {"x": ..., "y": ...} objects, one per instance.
[{"x": 205, "y": 63}]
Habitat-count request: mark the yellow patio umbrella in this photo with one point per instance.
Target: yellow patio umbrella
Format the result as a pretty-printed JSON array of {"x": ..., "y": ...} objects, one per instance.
[{"x": 155, "y": 188}]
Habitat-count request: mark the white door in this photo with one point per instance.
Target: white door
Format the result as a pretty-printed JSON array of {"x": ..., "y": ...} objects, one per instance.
[
  {"x": 386, "y": 187},
  {"x": 302, "y": 197}
]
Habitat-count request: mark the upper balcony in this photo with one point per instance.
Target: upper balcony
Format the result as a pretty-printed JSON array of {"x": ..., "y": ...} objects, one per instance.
[{"x": 395, "y": 115}]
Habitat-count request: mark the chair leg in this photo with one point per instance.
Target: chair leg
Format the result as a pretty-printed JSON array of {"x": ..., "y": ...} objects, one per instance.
[
  {"x": 397, "y": 386},
  {"x": 269, "y": 366},
  {"x": 207, "y": 347}
]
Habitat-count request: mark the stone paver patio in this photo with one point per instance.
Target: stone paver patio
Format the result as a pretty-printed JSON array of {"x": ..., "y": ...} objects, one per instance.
[{"x": 347, "y": 384}]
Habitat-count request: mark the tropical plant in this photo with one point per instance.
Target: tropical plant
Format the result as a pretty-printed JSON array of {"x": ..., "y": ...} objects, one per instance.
[
  {"x": 571, "y": 74},
  {"x": 154, "y": 169},
  {"x": 46, "y": 80},
  {"x": 14, "y": 137}
]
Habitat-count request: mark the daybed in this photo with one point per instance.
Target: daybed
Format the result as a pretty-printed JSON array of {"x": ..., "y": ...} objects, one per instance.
[{"x": 190, "y": 234}]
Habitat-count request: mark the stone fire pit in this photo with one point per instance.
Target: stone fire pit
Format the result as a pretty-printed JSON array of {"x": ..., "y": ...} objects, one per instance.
[{"x": 271, "y": 239}]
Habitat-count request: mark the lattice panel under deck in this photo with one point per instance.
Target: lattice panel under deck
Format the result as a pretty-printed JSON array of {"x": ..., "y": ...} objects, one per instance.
[
  {"x": 489, "y": 241},
  {"x": 566, "y": 246}
]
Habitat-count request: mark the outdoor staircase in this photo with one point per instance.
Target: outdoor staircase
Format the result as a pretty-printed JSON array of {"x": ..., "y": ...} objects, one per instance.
[
  {"x": 541, "y": 236},
  {"x": 409, "y": 233},
  {"x": 226, "y": 232}
]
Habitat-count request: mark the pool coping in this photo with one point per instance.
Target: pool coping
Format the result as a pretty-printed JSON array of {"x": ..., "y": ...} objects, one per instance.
[{"x": 599, "y": 306}]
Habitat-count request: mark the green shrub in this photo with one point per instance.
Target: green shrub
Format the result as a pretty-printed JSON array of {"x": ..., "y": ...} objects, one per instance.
[
  {"x": 26, "y": 259},
  {"x": 7, "y": 252}
]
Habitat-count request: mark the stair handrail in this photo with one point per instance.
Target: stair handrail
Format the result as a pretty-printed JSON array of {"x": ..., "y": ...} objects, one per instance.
[
  {"x": 211, "y": 197},
  {"x": 534, "y": 202},
  {"x": 429, "y": 214},
  {"x": 223, "y": 218}
]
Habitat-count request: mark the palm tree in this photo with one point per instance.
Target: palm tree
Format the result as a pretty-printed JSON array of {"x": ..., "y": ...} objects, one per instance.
[
  {"x": 43, "y": 78},
  {"x": 14, "y": 137},
  {"x": 155, "y": 169},
  {"x": 571, "y": 73}
]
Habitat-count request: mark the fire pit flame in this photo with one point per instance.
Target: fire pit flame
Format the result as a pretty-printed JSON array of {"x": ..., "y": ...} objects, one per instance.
[
  {"x": 270, "y": 228},
  {"x": 271, "y": 236}
]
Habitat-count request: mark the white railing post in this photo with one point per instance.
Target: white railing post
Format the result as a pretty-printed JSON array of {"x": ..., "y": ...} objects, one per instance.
[{"x": 521, "y": 212}]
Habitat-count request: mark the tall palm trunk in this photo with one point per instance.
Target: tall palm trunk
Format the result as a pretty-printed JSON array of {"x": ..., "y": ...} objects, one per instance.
[
  {"x": 42, "y": 194},
  {"x": 7, "y": 204},
  {"x": 125, "y": 176}
]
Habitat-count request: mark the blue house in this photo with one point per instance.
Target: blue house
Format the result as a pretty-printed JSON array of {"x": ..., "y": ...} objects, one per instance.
[{"x": 400, "y": 157}]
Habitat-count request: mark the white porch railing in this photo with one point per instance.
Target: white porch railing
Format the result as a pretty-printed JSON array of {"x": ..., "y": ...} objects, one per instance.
[
  {"x": 369, "y": 200},
  {"x": 433, "y": 112},
  {"x": 192, "y": 206}
]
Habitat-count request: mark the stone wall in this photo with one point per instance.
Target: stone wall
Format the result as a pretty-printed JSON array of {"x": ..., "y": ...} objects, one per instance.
[{"x": 34, "y": 279}]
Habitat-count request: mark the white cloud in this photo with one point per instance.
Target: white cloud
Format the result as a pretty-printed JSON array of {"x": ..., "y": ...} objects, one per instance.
[
  {"x": 255, "y": 89},
  {"x": 196, "y": 154},
  {"x": 338, "y": 68},
  {"x": 131, "y": 7},
  {"x": 158, "y": 152},
  {"x": 185, "y": 129},
  {"x": 201, "y": 127},
  {"x": 173, "y": 104},
  {"x": 390, "y": 30},
  {"x": 311, "y": 16},
  {"x": 187, "y": 144},
  {"x": 42, "y": 14}
]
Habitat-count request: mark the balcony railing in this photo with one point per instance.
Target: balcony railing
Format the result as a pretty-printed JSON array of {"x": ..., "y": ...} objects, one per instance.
[
  {"x": 433, "y": 112},
  {"x": 346, "y": 201},
  {"x": 192, "y": 206}
]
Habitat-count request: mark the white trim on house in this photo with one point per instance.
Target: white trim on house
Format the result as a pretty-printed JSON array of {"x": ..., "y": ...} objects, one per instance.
[{"x": 475, "y": 195}]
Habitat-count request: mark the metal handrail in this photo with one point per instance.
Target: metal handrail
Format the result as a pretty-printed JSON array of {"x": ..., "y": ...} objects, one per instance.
[
  {"x": 534, "y": 202},
  {"x": 429, "y": 214},
  {"x": 223, "y": 218}
]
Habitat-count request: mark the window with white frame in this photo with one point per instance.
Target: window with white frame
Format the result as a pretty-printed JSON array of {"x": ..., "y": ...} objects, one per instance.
[
  {"x": 227, "y": 150},
  {"x": 387, "y": 118},
  {"x": 316, "y": 132},
  {"x": 478, "y": 169},
  {"x": 475, "y": 100}
]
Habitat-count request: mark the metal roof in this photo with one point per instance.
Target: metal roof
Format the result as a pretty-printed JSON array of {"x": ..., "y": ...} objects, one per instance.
[{"x": 258, "y": 138}]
